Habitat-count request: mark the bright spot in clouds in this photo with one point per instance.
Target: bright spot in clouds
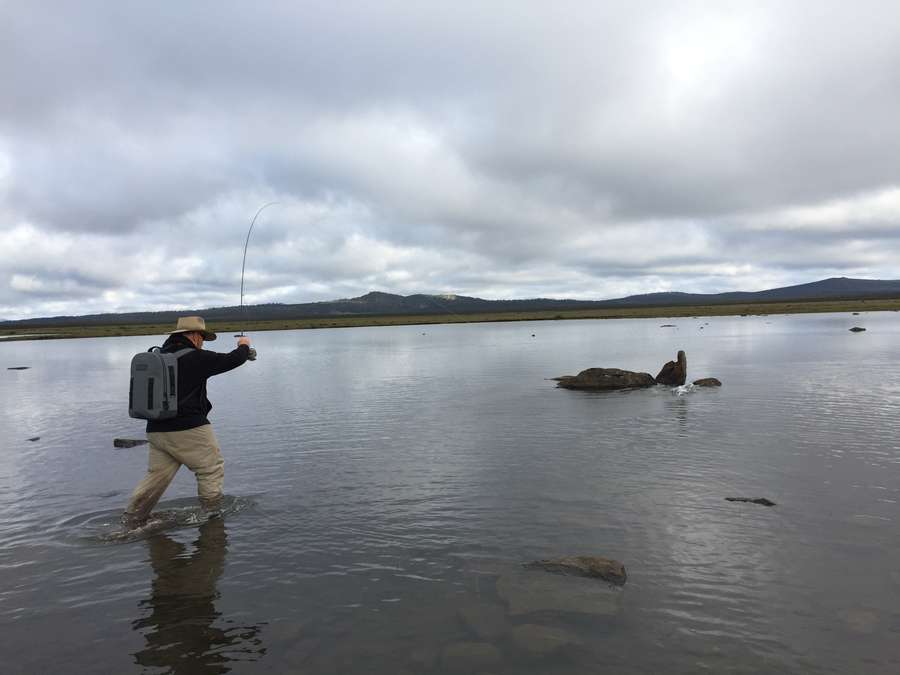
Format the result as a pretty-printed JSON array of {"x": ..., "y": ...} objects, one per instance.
[{"x": 504, "y": 149}]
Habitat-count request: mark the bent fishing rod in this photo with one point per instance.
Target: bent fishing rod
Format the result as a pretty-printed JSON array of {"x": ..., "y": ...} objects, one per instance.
[
  {"x": 243, "y": 266},
  {"x": 430, "y": 298}
]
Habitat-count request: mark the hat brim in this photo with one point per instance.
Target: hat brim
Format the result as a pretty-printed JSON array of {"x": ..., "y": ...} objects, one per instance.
[{"x": 208, "y": 335}]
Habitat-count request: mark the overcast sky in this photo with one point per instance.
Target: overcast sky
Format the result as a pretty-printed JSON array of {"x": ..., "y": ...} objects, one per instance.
[{"x": 498, "y": 149}]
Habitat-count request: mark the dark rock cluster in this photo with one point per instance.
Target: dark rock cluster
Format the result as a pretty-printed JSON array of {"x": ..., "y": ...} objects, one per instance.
[
  {"x": 606, "y": 379},
  {"x": 672, "y": 374}
]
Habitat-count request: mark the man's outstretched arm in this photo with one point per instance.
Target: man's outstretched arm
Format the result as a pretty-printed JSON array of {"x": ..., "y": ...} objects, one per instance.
[{"x": 214, "y": 363}]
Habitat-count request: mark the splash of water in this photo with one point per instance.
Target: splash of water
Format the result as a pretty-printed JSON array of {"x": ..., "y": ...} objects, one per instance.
[{"x": 177, "y": 514}]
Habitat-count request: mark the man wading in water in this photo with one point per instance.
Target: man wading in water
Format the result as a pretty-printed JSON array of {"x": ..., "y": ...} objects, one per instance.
[{"x": 187, "y": 438}]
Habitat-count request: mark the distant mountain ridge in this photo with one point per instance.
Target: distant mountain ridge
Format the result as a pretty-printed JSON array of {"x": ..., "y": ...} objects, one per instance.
[
  {"x": 377, "y": 303},
  {"x": 835, "y": 288}
]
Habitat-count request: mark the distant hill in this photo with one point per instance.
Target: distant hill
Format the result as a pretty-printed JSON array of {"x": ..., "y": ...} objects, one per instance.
[
  {"x": 836, "y": 288},
  {"x": 383, "y": 304}
]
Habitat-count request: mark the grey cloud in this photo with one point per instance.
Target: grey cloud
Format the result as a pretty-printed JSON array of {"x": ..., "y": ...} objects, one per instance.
[{"x": 520, "y": 149}]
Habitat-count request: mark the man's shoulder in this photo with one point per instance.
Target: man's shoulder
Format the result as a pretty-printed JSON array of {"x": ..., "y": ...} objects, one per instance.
[
  {"x": 186, "y": 354},
  {"x": 170, "y": 346}
]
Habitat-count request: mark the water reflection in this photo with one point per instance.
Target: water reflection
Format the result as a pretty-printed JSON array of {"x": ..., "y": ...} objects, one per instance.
[
  {"x": 180, "y": 622},
  {"x": 376, "y": 490}
]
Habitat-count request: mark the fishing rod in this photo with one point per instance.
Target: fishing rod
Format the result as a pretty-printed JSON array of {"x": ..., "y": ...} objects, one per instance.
[
  {"x": 430, "y": 298},
  {"x": 243, "y": 266}
]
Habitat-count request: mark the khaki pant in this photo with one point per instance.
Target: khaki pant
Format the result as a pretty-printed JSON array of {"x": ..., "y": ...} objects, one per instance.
[{"x": 197, "y": 449}]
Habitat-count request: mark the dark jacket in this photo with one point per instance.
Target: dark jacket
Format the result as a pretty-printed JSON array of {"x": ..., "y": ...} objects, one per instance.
[{"x": 194, "y": 368}]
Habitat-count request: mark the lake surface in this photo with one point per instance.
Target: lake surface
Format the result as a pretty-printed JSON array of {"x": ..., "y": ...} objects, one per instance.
[{"x": 390, "y": 481}]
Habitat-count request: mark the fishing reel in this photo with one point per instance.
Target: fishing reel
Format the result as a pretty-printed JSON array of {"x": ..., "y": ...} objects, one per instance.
[{"x": 252, "y": 356}]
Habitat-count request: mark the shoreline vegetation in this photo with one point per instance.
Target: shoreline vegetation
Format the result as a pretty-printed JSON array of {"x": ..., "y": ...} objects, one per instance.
[{"x": 50, "y": 332}]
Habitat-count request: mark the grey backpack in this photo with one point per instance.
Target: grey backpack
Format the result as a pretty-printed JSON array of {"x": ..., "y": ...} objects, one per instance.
[{"x": 153, "y": 394}]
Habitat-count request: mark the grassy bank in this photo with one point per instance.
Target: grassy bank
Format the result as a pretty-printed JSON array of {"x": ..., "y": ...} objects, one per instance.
[{"x": 48, "y": 332}]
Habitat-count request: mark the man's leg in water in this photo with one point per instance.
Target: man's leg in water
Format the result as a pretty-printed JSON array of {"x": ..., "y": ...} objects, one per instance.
[
  {"x": 161, "y": 469},
  {"x": 198, "y": 450}
]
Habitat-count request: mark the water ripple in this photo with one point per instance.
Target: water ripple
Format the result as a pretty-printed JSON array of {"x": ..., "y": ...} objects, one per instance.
[{"x": 397, "y": 477}]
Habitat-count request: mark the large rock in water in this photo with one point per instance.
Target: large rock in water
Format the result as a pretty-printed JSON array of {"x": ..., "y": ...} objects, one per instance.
[
  {"x": 593, "y": 566},
  {"x": 674, "y": 373},
  {"x": 606, "y": 379}
]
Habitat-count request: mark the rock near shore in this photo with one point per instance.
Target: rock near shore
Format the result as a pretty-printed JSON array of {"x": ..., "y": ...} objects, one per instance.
[
  {"x": 128, "y": 442},
  {"x": 707, "y": 382}
]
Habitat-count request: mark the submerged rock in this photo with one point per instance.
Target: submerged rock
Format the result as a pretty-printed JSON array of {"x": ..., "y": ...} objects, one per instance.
[
  {"x": 539, "y": 640},
  {"x": 469, "y": 657},
  {"x": 300, "y": 651},
  {"x": 527, "y": 592},
  {"x": 857, "y": 329},
  {"x": 490, "y": 567},
  {"x": 762, "y": 501},
  {"x": 606, "y": 379},
  {"x": 485, "y": 621},
  {"x": 674, "y": 373},
  {"x": 861, "y": 620},
  {"x": 424, "y": 657},
  {"x": 707, "y": 382},
  {"x": 591, "y": 566}
]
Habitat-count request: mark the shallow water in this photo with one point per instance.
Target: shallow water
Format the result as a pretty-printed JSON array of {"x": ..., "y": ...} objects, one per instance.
[{"x": 392, "y": 480}]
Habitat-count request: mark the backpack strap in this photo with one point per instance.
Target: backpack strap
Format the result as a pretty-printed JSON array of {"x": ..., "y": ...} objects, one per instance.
[{"x": 178, "y": 355}]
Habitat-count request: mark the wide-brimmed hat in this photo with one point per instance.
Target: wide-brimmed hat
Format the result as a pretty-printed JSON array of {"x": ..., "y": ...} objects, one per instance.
[{"x": 192, "y": 324}]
